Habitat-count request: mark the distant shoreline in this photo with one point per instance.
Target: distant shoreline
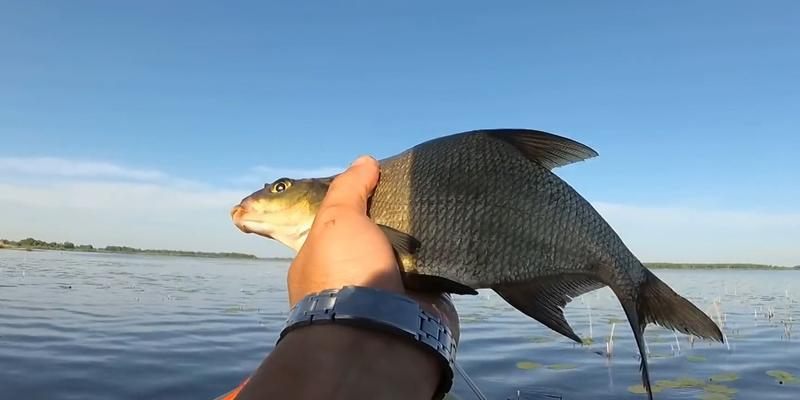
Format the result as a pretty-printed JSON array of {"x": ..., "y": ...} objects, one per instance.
[
  {"x": 146, "y": 252},
  {"x": 754, "y": 267},
  {"x": 31, "y": 244}
]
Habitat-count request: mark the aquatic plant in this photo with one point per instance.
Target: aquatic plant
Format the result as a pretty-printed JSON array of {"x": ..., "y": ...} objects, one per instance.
[
  {"x": 784, "y": 377},
  {"x": 714, "y": 396},
  {"x": 787, "y": 327},
  {"x": 562, "y": 367},
  {"x": 721, "y": 389},
  {"x": 696, "y": 359},
  {"x": 711, "y": 391},
  {"x": 610, "y": 342},
  {"x": 639, "y": 389},
  {"x": 729, "y": 377},
  {"x": 528, "y": 365}
]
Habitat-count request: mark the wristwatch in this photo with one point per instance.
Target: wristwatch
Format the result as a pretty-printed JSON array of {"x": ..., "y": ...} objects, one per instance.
[{"x": 380, "y": 310}]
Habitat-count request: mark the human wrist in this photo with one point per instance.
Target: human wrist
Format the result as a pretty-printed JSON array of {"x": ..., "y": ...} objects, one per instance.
[
  {"x": 304, "y": 281},
  {"x": 382, "y": 312}
]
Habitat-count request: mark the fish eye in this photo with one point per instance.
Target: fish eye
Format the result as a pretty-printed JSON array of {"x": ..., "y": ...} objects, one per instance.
[{"x": 281, "y": 185}]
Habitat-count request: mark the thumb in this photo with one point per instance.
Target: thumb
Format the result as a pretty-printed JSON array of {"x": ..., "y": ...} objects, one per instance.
[{"x": 352, "y": 188}]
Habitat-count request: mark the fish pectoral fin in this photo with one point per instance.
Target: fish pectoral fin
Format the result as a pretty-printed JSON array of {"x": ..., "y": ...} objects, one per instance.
[
  {"x": 433, "y": 283},
  {"x": 544, "y": 148},
  {"x": 544, "y": 299},
  {"x": 403, "y": 243}
]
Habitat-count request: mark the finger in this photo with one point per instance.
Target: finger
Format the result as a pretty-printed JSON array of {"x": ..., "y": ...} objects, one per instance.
[{"x": 352, "y": 188}]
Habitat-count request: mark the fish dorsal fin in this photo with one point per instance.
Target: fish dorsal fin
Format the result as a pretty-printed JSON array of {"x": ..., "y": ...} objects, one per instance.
[
  {"x": 545, "y": 298},
  {"x": 544, "y": 148}
]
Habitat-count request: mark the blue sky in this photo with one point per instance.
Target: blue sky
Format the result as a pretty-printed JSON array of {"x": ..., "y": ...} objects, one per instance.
[{"x": 115, "y": 116}]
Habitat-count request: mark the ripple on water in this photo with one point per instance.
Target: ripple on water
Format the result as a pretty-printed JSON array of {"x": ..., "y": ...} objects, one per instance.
[{"x": 159, "y": 327}]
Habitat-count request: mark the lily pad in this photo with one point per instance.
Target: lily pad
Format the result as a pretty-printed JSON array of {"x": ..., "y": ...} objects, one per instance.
[
  {"x": 665, "y": 384},
  {"x": 528, "y": 365},
  {"x": 686, "y": 382},
  {"x": 714, "y": 396},
  {"x": 783, "y": 376},
  {"x": 639, "y": 389},
  {"x": 562, "y": 367},
  {"x": 696, "y": 359},
  {"x": 587, "y": 341},
  {"x": 729, "y": 377},
  {"x": 721, "y": 389}
]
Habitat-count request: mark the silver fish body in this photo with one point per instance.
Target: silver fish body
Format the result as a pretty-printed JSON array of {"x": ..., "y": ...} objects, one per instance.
[
  {"x": 486, "y": 215},
  {"x": 487, "y": 212}
]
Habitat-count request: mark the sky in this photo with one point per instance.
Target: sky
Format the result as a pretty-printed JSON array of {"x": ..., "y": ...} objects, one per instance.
[{"x": 142, "y": 123}]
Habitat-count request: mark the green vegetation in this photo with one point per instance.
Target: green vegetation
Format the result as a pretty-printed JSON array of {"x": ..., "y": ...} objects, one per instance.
[
  {"x": 715, "y": 266},
  {"x": 31, "y": 243}
]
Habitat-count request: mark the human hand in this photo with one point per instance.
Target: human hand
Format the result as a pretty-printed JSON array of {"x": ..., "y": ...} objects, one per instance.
[{"x": 344, "y": 247}]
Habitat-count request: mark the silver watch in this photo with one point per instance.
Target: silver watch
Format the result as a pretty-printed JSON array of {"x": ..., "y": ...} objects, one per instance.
[{"x": 381, "y": 310}]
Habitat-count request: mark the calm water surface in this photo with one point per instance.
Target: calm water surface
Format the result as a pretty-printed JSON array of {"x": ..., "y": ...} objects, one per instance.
[{"x": 98, "y": 326}]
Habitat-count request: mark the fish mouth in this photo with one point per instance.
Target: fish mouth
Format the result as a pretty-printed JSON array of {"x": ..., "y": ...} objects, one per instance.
[{"x": 244, "y": 224}]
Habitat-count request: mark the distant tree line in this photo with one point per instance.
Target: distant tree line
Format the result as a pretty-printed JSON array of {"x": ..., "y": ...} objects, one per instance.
[
  {"x": 715, "y": 266},
  {"x": 31, "y": 243}
]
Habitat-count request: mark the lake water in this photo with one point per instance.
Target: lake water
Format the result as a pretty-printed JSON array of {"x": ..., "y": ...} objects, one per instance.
[{"x": 99, "y": 326}]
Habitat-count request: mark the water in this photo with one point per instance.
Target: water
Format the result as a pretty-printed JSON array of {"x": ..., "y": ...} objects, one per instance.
[{"x": 98, "y": 326}]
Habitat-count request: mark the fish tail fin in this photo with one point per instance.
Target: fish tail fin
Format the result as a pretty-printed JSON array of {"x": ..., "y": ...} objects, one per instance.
[{"x": 658, "y": 303}]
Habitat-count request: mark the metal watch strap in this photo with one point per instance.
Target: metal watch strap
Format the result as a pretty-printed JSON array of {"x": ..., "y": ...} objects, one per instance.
[{"x": 382, "y": 310}]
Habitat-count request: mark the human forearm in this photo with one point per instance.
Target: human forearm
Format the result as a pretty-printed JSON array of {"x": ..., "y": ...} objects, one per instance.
[{"x": 342, "y": 362}]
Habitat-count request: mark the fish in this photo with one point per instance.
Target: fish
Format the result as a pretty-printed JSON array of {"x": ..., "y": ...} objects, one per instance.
[{"x": 483, "y": 209}]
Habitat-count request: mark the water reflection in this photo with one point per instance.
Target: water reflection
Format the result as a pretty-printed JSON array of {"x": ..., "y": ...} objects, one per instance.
[{"x": 83, "y": 326}]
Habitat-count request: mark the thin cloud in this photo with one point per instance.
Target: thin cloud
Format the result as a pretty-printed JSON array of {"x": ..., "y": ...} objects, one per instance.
[
  {"x": 51, "y": 166},
  {"x": 684, "y": 234},
  {"x": 146, "y": 215},
  {"x": 105, "y": 203}
]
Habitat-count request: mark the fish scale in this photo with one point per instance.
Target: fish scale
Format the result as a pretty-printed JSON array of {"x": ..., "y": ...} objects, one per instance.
[
  {"x": 519, "y": 215},
  {"x": 482, "y": 209}
]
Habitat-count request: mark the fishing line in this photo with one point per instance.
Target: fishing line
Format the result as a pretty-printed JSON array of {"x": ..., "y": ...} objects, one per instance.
[{"x": 470, "y": 382}]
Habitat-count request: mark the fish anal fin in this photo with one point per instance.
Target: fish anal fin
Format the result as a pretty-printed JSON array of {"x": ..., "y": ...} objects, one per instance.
[
  {"x": 638, "y": 325},
  {"x": 433, "y": 283},
  {"x": 545, "y": 298},
  {"x": 402, "y": 243},
  {"x": 544, "y": 148}
]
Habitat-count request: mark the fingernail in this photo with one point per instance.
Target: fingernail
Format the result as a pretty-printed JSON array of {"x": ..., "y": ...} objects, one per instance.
[{"x": 361, "y": 161}]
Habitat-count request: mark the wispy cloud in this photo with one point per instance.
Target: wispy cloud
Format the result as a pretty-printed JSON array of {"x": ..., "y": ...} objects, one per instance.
[
  {"x": 51, "y": 166},
  {"x": 705, "y": 235},
  {"x": 106, "y": 203}
]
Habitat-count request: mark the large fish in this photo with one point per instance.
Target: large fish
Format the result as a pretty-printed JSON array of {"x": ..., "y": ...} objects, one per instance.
[{"x": 482, "y": 209}]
